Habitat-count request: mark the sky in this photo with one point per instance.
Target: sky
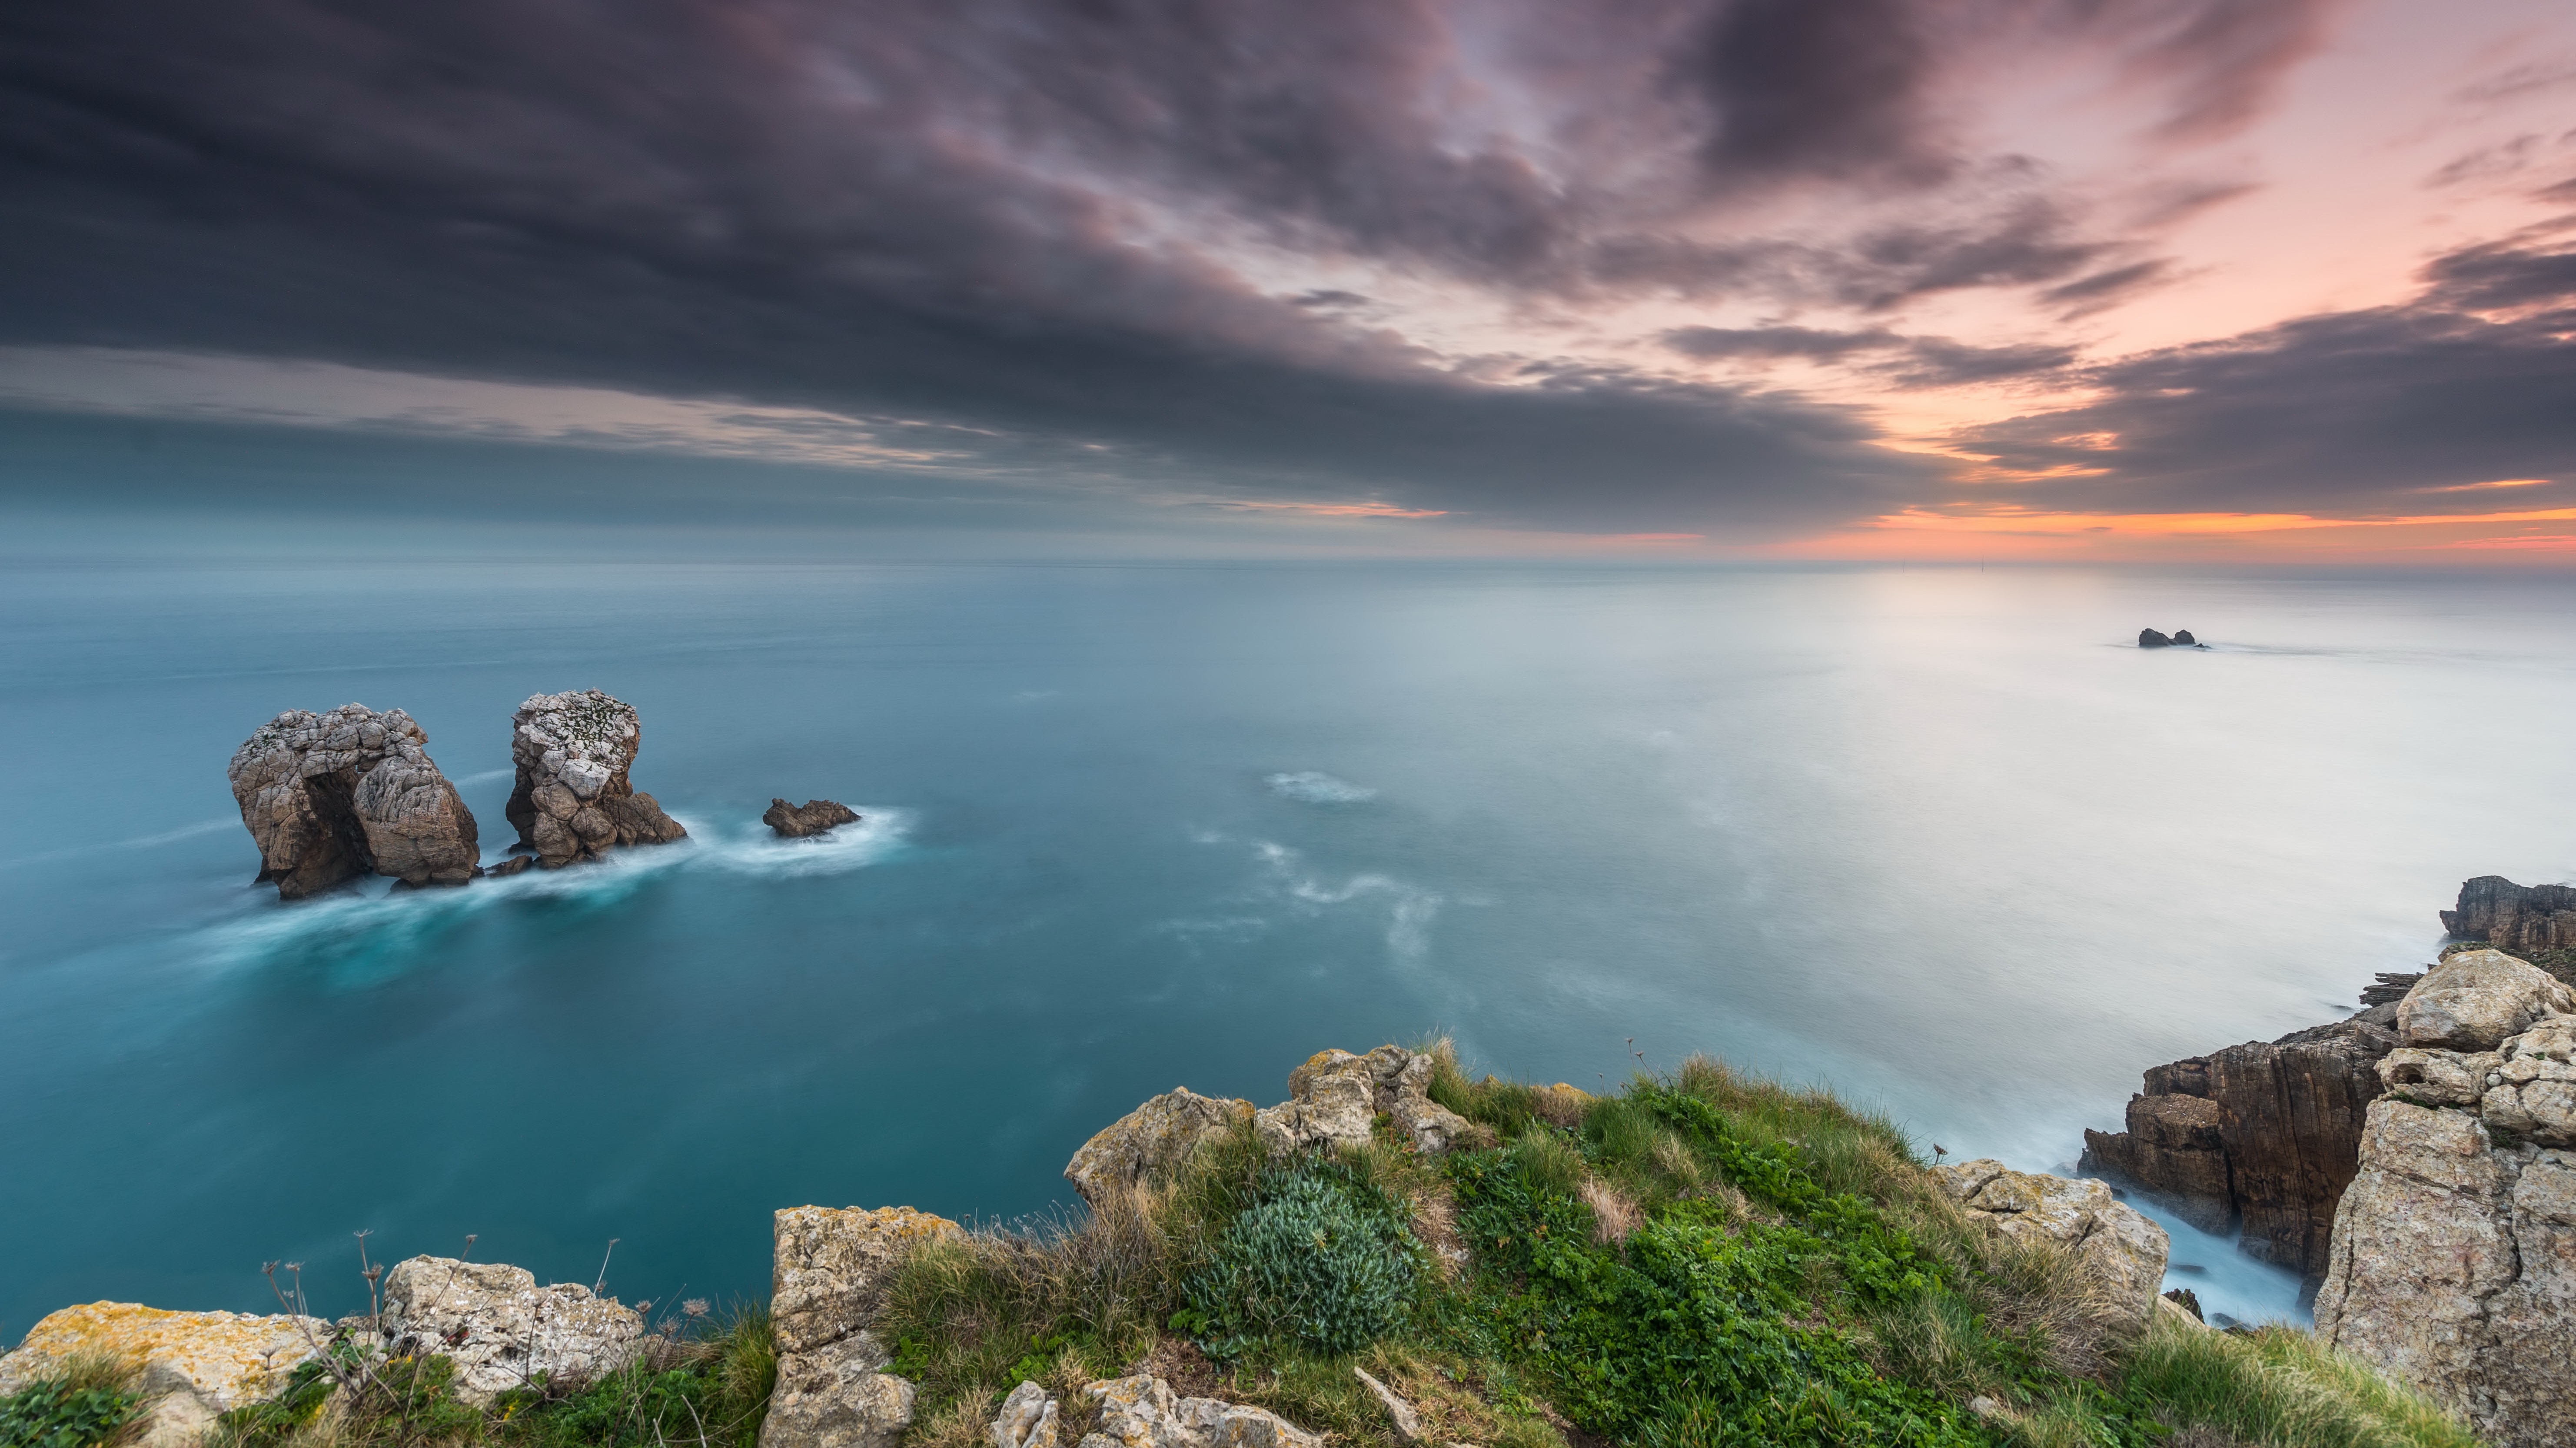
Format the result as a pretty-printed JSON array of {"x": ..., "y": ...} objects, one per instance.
[{"x": 2160, "y": 280}]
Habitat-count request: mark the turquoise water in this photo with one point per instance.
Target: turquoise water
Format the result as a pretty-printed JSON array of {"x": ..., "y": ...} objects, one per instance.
[{"x": 1939, "y": 837}]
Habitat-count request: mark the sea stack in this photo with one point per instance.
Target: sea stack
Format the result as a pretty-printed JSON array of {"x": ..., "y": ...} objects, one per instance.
[
  {"x": 331, "y": 797},
  {"x": 814, "y": 817},
  {"x": 572, "y": 800},
  {"x": 2150, "y": 639}
]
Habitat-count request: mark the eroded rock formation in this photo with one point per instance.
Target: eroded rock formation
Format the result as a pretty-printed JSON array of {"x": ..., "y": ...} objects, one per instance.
[
  {"x": 2259, "y": 1137},
  {"x": 2119, "y": 1249},
  {"x": 195, "y": 1365},
  {"x": 573, "y": 800},
  {"x": 331, "y": 797},
  {"x": 814, "y": 817},
  {"x": 2453, "y": 1262},
  {"x": 2536, "y": 923},
  {"x": 500, "y": 1327},
  {"x": 828, "y": 1279},
  {"x": 1141, "y": 1412},
  {"x": 1333, "y": 1098}
]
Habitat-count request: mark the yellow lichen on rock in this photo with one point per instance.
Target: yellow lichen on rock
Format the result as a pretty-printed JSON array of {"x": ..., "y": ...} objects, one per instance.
[
  {"x": 191, "y": 1365},
  {"x": 832, "y": 1266}
]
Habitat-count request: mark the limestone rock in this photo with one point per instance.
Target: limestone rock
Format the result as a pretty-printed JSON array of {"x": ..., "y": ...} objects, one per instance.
[
  {"x": 1408, "y": 1423},
  {"x": 500, "y": 1327},
  {"x": 1140, "y": 1412},
  {"x": 814, "y": 817},
  {"x": 195, "y": 1365},
  {"x": 2120, "y": 1250},
  {"x": 2454, "y": 1255},
  {"x": 1150, "y": 1142},
  {"x": 1334, "y": 1097},
  {"x": 837, "y": 1396},
  {"x": 331, "y": 797},
  {"x": 1027, "y": 1420},
  {"x": 831, "y": 1268},
  {"x": 2473, "y": 1000},
  {"x": 573, "y": 800},
  {"x": 2526, "y": 921}
]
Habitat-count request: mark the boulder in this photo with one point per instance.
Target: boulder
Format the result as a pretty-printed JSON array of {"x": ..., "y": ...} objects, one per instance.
[
  {"x": 2183, "y": 640},
  {"x": 1028, "y": 1420},
  {"x": 2532, "y": 922},
  {"x": 831, "y": 1266},
  {"x": 2259, "y": 1136},
  {"x": 500, "y": 1327},
  {"x": 1140, "y": 1412},
  {"x": 573, "y": 800},
  {"x": 2475, "y": 999},
  {"x": 1335, "y": 1096},
  {"x": 837, "y": 1396},
  {"x": 828, "y": 1281},
  {"x": 1151, "y": 1142},
  {"x": 2453, "y": 1262},
  {"x": 194, "y": 1366},
  {"x": 331, "y": 797},
  {"x": 2150, "y": 639},
  {"x": 2118, "y": 1249},
  {"x": 814, "y": 817}
]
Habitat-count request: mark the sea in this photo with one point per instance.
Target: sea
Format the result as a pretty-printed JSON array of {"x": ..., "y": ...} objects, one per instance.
[{"x": 1942, "y": 839}]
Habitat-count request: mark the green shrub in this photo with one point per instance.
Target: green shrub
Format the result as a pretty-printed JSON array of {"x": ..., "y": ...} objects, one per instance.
[
  {"x": 1321, "y": 1258},
  {"x": 63, "y": 1413}
]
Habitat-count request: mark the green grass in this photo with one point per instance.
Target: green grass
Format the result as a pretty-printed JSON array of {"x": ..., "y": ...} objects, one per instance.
[
  {"x": 89, "y": 1401},
  {"x": 1702, "y": 1260},
  {"x": 709, "y": 1391}
]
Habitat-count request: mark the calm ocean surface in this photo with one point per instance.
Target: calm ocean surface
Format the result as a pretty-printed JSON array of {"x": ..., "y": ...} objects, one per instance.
[{"x": 1939, "y": 837}]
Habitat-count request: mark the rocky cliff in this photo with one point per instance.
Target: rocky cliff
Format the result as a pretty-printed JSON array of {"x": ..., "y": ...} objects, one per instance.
[
  {"x": 2260, "y": 1138},
  {"x": 2453, "y": 1259},
  {"x": 331, "y": 797},
  {"x": 2536, "y": 923},
  {"x": 573, "y": 800}
]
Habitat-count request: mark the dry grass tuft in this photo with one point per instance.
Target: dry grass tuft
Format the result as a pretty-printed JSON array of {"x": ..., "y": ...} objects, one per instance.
[{"x": 1614, "y": 1212}]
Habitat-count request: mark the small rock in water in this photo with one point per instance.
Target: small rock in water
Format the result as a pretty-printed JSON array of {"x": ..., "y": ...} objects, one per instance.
[
  {"x": 2150, "y": 639},
  {"x": 511, "y": 866},
  {"x": 2187, "y": 1300},
  {"x": 814, "y": 817},
  {"x": 2183, "y": 640}
]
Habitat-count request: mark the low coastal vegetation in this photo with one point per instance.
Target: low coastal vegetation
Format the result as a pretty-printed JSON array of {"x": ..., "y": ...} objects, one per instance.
[{"x": 1702, "y": 1259}]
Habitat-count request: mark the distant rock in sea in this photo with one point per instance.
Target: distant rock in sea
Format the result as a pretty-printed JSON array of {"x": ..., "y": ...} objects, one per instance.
[
  {"x": 2150, "y": 639},
  {"x": 2183, "y": 640},
  {"x": 814, "y": 817},
  {"x": 573, "y": 800},
  {"x": 331, "y": 797},
  {"x": 2536, "y": 923}
]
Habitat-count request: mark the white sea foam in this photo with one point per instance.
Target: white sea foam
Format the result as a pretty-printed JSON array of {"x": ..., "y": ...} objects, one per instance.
[
  {"x": 1296, "y": 889},
  {"x": 364, "y": 930},
  {"x": 1313, "y": 786},
  {"x": 486, "y": 776},
  {"x": 136, "y": 842}
]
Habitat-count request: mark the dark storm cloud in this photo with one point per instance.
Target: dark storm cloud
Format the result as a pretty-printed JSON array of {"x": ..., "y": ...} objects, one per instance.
[
  {"x": 1007, "y": 214},
  {"x": 2352, "y": 410}
]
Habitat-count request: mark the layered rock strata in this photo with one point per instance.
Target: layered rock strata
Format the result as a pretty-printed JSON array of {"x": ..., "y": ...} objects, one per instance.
[
  {"x": 2453, "y": 1263},
  {"x": 2260, "y": 1138},
  {"x": 573, "y": 800},
  {"x": 195, "y": 1366},
  {"x": 331, "y": 797},
  {"x": 1333, "y": 1099},
  {"x": 830, "y": 1271},
  {"x": 814, "y": 817},
  {"x": 2532, "y": 922},
  {"x": 2118, "y": 1249},
  {"x": 500, "y": 1328}
]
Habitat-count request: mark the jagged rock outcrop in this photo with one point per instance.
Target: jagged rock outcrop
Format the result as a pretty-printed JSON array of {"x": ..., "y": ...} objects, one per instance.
[
  {"x": 2536, "y": 923},
  {"x": 2118, "y": 1248},
  {"x": 829, "y": 1274},
  {"x": 573, "y": 800},
  {"x": 1140, "y": 1412},
  {"x": 1333, "y": 1099},
  {"x": 500, "y": 1328},
  {"x": 2261, "y": 1137},
  {"x": 814, "y": 817},
  {"x": 330, "y": 797},
  {"x": 2453, "y": 1262},
  {"x": 195, "y": 1366}
]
